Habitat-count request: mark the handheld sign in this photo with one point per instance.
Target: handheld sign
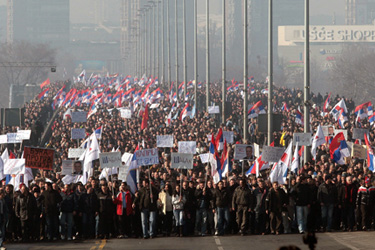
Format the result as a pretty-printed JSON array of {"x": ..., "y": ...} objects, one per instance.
[
  {"x": 23, "y": 135},
  {"x": 78, "y": 133},
  {"x": 164, "y": 141},
  {"x": 79, "y": 116},
  {"x": 213, "y": 110},
  {"x": 146, "y": 157},
  {"x": 12, "y": 138},
  {"x": 187, "y": 147},
  {"x": 228, "y": 135},
  {"x": 240, "y": 151},
  {"x": 182, "y": 161},
  {"x": 108, "y": 160},
  {"x": 204, "y": 157},
  {"x": 359, "y": 151},
  {"x": 75, "y": 152},
  {"x": 126, "y": 113},
  {"x": 303, "y": 139},
  {"x": 272, "y": 154},
  {"x": 3, "y": 139},
  {"x": 359, "y": 133},
  {"x": 40, "y": 158}
]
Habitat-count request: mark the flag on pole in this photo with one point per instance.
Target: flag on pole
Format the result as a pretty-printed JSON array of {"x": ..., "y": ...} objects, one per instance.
[
  {"x": 45, "y": 83},
  {"x": 295, "y": 161},
  {"x": 145, "y": 118},
  {"x": 370, "y": 155},
  {"x": 318, "y": 140},
  {"x": 280, "y": 170},
  {"x": 256, "y": 109}
]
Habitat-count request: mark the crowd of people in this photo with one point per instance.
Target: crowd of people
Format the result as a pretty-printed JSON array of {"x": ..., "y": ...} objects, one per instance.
[{"x": 322, "y": 196}]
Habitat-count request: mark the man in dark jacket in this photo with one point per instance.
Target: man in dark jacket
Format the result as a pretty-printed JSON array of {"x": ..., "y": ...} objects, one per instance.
[
  {"x": 242, "y": 203},
  {"x": 106, "y": 210},
  {"x": 51, "y": 200},
  {"x": 220, "y": 203},
  {"x": 202, "y": 201},
  {"x": 148, "y": 196},
  {"x": 260, "y": 195},
  {"x": 363, "y": 204},
  {"x": 347, "y": 199},
  {"x": 276, "y": 200},
  {"x": 302, "y": 194},
  {"x": 67, "y": 208},
  {"x": 89, "y": 208},
  {"x": 327, "y": 197},
  {"x": 189, "y": 207},
  {"x": 25, "y": 211}
]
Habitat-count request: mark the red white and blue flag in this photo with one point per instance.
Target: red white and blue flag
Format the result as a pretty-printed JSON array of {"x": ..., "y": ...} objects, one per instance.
[{"x": 256, "y": 109}]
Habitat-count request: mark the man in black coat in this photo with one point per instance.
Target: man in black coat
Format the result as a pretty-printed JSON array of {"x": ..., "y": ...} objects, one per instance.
[
  {"x": 51, "y": 198},
  {"x": 25, "y": 210}
]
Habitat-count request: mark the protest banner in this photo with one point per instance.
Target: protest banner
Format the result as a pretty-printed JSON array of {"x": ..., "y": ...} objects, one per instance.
[
  {"x": 123, "y": 173},
  {"x": 79, "y": 116},
  {"x": 240, "y": 151},
  {"x": 40, "y": 158},
  {"x": 359, "y": 151},
  {"x": 147, "y": 157},
  {"x": 303, "y": 139},
  {"x": 14, "y": 166},
  {"x": 213, "y": 110},
  {"x": 12, "y": 138},
  {"x": 182, "y": 161},
  {"x": 78, "y": 133},
  {"x": 359, "y": 133},
  {"x": 272, "y": 154},
  {"x": 126, "y": 113},
  {"x": 75, "y": 152},
  {"x": 228, "y": 135},
  {"x": 23, "y": 135},
  {"x": 204, "y": 157},
  {"x": 187, "y": 147},
  {"x": 3, "y": 139},
  {"x": 164, "y": 141},
  {"x": 328, "y": 130},
  {"x": 110, "y": 159}
]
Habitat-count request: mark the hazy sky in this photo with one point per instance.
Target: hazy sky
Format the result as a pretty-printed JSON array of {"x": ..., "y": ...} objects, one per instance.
[{"x": 82, "y": 10}]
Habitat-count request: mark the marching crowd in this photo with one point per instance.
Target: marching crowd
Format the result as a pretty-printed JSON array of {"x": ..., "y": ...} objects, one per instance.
[{"x": 322, "y": 196}]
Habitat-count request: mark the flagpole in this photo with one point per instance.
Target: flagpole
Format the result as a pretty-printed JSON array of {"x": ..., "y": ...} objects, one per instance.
[
  {"x": 184, "y": 46},
  {"x": 270, "y": 73},
  {"x": 149, "y": 178},
  {"x": 245, "y": 121},
  {"x": 162, "y": 80},
  {"x": 176, "y": 43},
  {"x": 207, "y": 54},
  {"x": 168, "y": 46},
  {"x": 223, "y": 64},
  {"x": 306, "y": 107},
  {"x": 195, "y": 56}
]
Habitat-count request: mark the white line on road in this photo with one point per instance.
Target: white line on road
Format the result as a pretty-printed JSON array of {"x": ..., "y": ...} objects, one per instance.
[
  {"x": 340, "y": 241},
  {"x": 218, "y": 243}
]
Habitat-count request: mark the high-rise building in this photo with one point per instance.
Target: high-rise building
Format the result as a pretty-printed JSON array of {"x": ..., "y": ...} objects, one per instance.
[
  {"x": 41, "y": 21},
  {"x": 360, "y": 12}
]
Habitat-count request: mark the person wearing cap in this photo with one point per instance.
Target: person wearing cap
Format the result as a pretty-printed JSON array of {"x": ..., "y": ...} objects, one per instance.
[
  {"x": 363, "y": 204},
  {"x": 327, "y": 197}
]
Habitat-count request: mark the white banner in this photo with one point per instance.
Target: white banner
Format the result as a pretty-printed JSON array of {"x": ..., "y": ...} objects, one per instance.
[
  {"x": 14, "y": 166},
  {"x": 228, "y": 135},
  {"x": 240, "y": 152},
  {"x": 303, "y": 139},
  {"x": 359, "y": 133},
  {"x": 75, "y": 152},
  {"x": 272, "y": 154},
  {"x": 147, "y": 157},
  {"x": 213, "y": 110},
  {"x": 123, "y": 173},
  {"x": 23, "y": 135},
  {"x": 79, "y": 116},
  {"x": 182, "y": 161},
  {"x": 3, "y": 139},
  {"x": 164, "y": 141},
  {"x": 111, "y": 159},
  {"x": 78, "y": 133},
  {"x": 126, "y": 113},
  {"x": 12, "y": 138},
  {"x": 204, "y": 157},
  {"x": 187, "y": 147}
]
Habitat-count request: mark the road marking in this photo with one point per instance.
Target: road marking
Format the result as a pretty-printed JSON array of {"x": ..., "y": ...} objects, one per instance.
[
  {"x": 101, "y": 246},
  {"x": 218, "y": 243},
  {"x": 340, "y": 241},
  {"x": 93, "y": 248},
  {"x": 97, "y": 246}
]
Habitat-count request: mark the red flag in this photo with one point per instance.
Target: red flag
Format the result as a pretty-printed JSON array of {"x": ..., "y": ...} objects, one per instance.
[
  {"x": 218, "y": 138},
  {"x": 145, "y": 118},
  {"x": 45, "y": 83},
  {"x": 335, "y": 143}
]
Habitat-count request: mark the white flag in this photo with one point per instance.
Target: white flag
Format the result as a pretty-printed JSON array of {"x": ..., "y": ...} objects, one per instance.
[
  {"x": 318, "y": 140},
  {"x": 295, "y": 160},
  {"x": 280, "y": 170}
]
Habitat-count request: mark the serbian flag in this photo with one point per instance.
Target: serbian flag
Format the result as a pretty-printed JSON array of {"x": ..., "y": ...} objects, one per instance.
[
  {"x": 225, "y": 163},
  {"x": 335, "y": 143},
  {"x": 45, "y": 83},
  {"x": 370, "y": 155},
  {"x": 340, "y": 106},
  {"x": 364, "y": 110},
  {"x": 342, "y": 118},
  {"x": 371, "y": 119},
  {"x": 326, "y": 103},
  {"x": 219, "y": 140},
  {"x": 295, "y": 160},
  {"x": 258, "y": 166},
  {"x": 185, "y": 112},
  {"x": 144, "y": 118},
  {"x": 299, "y": 117},
  {"x": 341, "y": 152},
  {"x": 255, "y": 110},
  {"x": 285, "y": 107},
  {"x": 98, "y": 133},
  {"x": 213, "y": 158},
  {"x": 168, "y": 120},
  {"x": 43, "y": 94}
]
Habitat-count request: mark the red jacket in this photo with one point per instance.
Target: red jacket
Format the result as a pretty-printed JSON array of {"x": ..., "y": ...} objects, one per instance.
[{"x": 118, "y": 202}]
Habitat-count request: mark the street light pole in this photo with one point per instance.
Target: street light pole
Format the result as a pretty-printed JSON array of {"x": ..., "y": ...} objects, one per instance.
[
  {"x": 195, "y": 56},
  {"x": 245, "y": 71},
  {"x": 168, "y": 45},
  {"x": 184, "y": 45},
  {"x": 223, "y": 56},
  {"x": 176, "y": 43},
  {"x": 306, "y": 107},
  {"x": 270, "y": 73},
  {"x": 207, "y": 54},
  {"x": 162, "y": 44}
]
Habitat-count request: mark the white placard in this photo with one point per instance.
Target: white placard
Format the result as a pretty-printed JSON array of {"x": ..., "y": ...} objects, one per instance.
[
  {"x": 12, "y": 138},
  {"x": 328, "y": 130},
  {"x": 154, "y": 106},
  {"x": 164, "y": 141},
  {"x": 75, "y": 152},
  {"x": 23, "y": 135},
  {"x": 3, "y": 139},
  {"x": 204, "y": 157},
  {"x": 303, "y": 139},
  {"x": 256, "y": 150},
  {"x": 79, "y": 116},
  {"x": 187, "y": 147},
  {"x": 272, "y": 154},
  {"x": 110, "y": 159},
  {"x": 358, "y": 133},
  {"x": 147, "y": 157},
  {"x": 71, "y": 167},
  {"x": 78, "y": 133},
  {"x": 126, "y": 113},
  {"x": 123, "y": 173},
  {"x": 213, "y": 110},
  {"x": 240, "y": 151},
  {"x": 209, "y": 137},
  {"x": 182, "y": 161},
  {"x": 228, "y": 135}
]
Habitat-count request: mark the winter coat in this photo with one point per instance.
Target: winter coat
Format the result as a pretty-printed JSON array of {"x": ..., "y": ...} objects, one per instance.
[
  {"x": 105, "y": 203},
  {"x": 25, "y": 206},
  {"x": 220, "y": 198},
  {"x": 242, "y": 196},
  {"x": 118, "y": 201},
  {"x": 67, "y": 204},
  {"x": 276, "y": 201},
  {"x": 260, "y": 196},
  {"x": 327, "y": 194},
  {"x": 144, "y": 199},
  {"x": 302, "y": 194},
  {"x": 51, "y": 200}
]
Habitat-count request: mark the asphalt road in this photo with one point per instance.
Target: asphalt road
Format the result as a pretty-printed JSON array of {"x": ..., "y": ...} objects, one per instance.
[{"x": 331, "y": 241}]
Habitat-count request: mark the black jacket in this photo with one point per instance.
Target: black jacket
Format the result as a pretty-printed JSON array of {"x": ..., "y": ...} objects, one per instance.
[
  {"x": 25, "y": 207},
  {"x": 220, "y": 198},
  {"x": 260, "y": 196},
  {"x": 302, "y": 194},
  {"x": 242, "y": 196},
  {"x": 327, "y": 194},
  {"x": 145, "y": 200},
  {"x": 106, "y": 205},
  {"x": 51, "y": 200},
  {"x": 276, "y": 201}
]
